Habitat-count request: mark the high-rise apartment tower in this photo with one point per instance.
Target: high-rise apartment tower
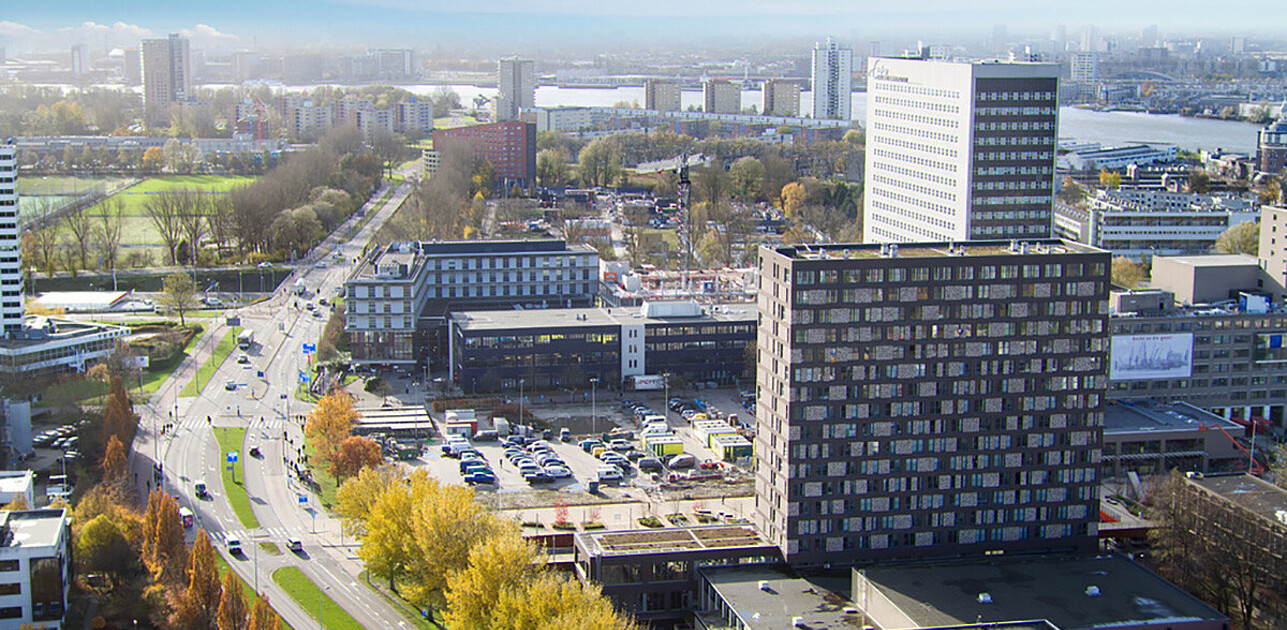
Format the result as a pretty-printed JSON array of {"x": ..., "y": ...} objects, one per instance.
[
  {"x": 516, "y": 82},
  {"x": 167, "y": 77},
  {"x": 832, "y": 80}
]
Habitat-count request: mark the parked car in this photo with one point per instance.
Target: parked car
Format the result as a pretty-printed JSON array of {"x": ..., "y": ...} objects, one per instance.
[
  {"x": 486, "y": 436},
  {"x": 486, "y": 478},
  {"x": 650, "y": 464},
  {"x": 538, "y": 477},
  {"x": 609, "y": 472},
  {"x": 620, "y": 445},
  {"x": 557, "y": 471},
  {"x": 683, "y": 460}
]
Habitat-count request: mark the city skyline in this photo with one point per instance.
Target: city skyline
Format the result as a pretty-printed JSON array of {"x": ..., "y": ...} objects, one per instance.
[{"x": 34, "y": 28}]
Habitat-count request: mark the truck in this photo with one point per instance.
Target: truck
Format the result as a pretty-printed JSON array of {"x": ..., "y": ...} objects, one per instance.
[
  {"x": 646, "y": 382},
  {"x": 298, "y": 288},
  {"x": 245, "y": 339}
]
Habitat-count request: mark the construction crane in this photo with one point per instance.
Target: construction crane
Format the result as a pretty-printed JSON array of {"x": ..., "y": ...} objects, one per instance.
[
  {"x": 256, "y": 118},
  {"x": 679, "y": 165},
  {"x": 1254, "y": 466}
]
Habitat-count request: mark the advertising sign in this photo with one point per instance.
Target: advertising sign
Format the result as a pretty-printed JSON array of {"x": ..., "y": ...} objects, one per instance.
[{"x": 1136, "y": 357}]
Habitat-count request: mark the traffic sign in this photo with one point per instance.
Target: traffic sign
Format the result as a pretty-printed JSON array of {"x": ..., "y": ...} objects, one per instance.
[
  {"x": 232, "y": 457},
  {"x": 310, "y": 348},
  {"x": 303, "y": 498},
  {"x": 304, "y": 377}
]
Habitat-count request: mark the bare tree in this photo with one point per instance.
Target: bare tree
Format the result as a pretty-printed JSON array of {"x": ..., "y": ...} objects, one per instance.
[
  {"x": 45, "y": 230},
  {"x": 192, "y": 219},
  {"x": 220, "y": 220},
  {"x": 164, "y": 211},
  {"x": 108, "y": 233},
  {"x": 80, "y": 234}
]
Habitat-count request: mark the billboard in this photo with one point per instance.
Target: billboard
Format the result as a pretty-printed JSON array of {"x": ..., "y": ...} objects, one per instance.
[{"x": 1136, "y": 357}]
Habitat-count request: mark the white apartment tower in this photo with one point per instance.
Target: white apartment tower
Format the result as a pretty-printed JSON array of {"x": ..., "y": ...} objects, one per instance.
[
  {"x": 516, "y": 82},
  {"x": 832, "y": 83},
  {"x": 167, "y": 76},
  {"x": 10, "y": 249},
  {"x": 1083, "y": 67},
  {"x": 959, "y": 151}
]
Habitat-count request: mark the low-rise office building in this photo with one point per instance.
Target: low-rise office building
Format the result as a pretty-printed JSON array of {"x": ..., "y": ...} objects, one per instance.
[
  {"x": 399, "y": 299},
  {"x": 1140, "y": 223},
  {"x": 35, "y": 568},
  {"x": 1242, "y": 514},
  {"x": 567, "y": 347},
  {"x": 1149, "y": 438}
]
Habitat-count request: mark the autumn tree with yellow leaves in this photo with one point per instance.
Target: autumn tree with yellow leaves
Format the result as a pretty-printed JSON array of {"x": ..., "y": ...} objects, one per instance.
[{"x": 329, "y": 424}]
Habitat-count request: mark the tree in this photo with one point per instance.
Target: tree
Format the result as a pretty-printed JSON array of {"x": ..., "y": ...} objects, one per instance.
[
  {"x": 197, "y": 606},
  {"x": 554, "y": 601},
  {"x": 80, "y": 234},
  {"x": 357, "y": 496},
  {"x": 102, "y": 547},
  {"x": 179, "y": 295},
  {"x": 164, "y": 211},
  {"x": 1199, "y": 181},
  {"x": 1111, "y": 180},
  {"x": 1243, "y": 238},
  {"x": 329, "y": 423},
  {"x": 108, "y": 234},
  {"x": 599, "y": 163},
  {"x": 794, "y": 197},
  {"x": 163, "y": 549},
  {"x": 1127, "y": 273},
  {"x": 504, "y": 561},
  {"x": 746, "y": 177},
  {"x": 114, "y": 464},
  {"x": 551, "y": 167},
  {"x": 193, "y": 222},
  {"x": 153, "y": 159},
  {"x": 232, "y": 613},
  {"x": 263, "y": 617},
  {"x": 354, "y": 454}
]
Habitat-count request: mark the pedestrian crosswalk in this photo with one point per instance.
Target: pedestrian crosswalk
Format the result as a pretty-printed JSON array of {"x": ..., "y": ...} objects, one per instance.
[
  {"x": 264, "y": 534},
  {"x": 193, "y": 423}
]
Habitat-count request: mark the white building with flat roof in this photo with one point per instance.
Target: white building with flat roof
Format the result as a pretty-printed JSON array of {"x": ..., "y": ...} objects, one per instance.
[
  {"x": 832, "y": 80},
  {"x": 35, "y": 568},
  {"x": 959, "y": 150},
  {"x": 516, "y": 84},
  {"x": 17, "y": 483}
]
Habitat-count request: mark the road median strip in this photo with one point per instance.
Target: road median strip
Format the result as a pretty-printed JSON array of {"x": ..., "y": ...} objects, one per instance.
[
  {"x": 207, "y": 370},
  {"x": 305, "y": 592},
  {"x": 230, "y": 440}
]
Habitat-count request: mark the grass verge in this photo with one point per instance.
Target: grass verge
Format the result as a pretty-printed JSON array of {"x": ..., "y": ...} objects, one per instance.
[
  {"x": 323, "y": 479},
  {"x": 408, "y": 611},
  {"x": 231, "y": 439},
  {"x": 152, "y": 379},
  {"x": 314, "y": 600},
  {"x": 247, "y": 593},
  {"x": 208, "y": 369}
]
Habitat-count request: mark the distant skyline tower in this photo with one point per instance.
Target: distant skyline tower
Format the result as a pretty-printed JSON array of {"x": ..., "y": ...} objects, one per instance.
[
  {"x": 167, "y": 76},
  {"x": 11, "y": 308},
  {"x": 720, "y": 96},
  {"x": 781, "y": 98},
  {"x": 999, "y": 38},
  {"x": 516, "y": 82},
  {"x": 832, "y": 80},
  {"x": 959, "y": 150},
  {"x": 661, "y": 95},
  {"x": 1148, "y": 36},
  {"x": 79, "y": 60}
]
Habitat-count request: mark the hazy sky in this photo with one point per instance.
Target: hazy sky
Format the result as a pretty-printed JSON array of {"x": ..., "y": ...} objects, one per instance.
[{"x": 54, "y": 25}]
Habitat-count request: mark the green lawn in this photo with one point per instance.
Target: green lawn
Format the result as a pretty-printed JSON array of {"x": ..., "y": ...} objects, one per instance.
[
  {"x": 314, "y": 600},
  {"x": 208, "y": 369},
  {"x": 137, "y": 229},
  {"x": 247, "y": 593},
  {"x": 409, "y": 612},
  {"x": 152, "y": 379},
  {"x": 231, "y": 439}
]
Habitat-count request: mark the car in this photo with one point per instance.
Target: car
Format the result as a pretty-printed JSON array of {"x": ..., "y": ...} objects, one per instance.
[
  {"x": 526, "y": 469},
  {"x": 265, "y": 265},
  {"x": 486, "y": 436},
  {"x": 558, "y": 472},
  {"x": 538, "y": 477},
  {"x": 199, "y": 488},
  {"x": 651, "y": 464},
  {"x": 310, "y": 306},
  {"x": 635, "y": 455},
  {"x": 294, "y": 544},
  {"x": 230, "y": 386},
  {"x": 486, "y": 478},
  {"x": 620, "y": 445},
  {"x": 609, "y": 473},
  {"x": 710, "y": 464},
  {"x": 476, "y": 469},
  {"x": 682, "y": 460},
  {"x": 565, "y": 435},
  {"x": 233, "y": 544},
  {"x": 323, "y": 302},
  {"x": 611, "y": 457},
  {"x": 588, "y": 445},
  {"x": 254, "y": 452}
]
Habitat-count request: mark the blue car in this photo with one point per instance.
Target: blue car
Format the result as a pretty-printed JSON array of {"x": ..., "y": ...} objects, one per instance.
[{"x": 480, "y": 477}]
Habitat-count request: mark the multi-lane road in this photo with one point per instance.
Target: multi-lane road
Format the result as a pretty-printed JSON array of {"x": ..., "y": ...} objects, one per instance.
[{"x": 237, "y": 396}]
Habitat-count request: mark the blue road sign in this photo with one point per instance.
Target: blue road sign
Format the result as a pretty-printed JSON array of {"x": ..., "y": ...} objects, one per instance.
[
  {"x": 232, "y": 457},
  {"x": 260, "y": 373},
  {"x": 310, "y": 348},
  {"x": 303, "y": 498},
  {"x": 304, "y": 377}
]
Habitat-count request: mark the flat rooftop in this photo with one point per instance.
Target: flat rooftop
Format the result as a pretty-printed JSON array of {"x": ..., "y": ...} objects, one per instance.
[
  {"x": 32, "y": 528},
  {"x": 1053, "y": 588},
  {"x": 964, "y": 249},
  {"x": 1137, "y": 416},
  {"x": 650, "y": 541},
  {"x": 785, "y": 599},
  {"x": 1213, "y": 260},
  {"x": 1251, "y": 493},
  {"x": 16, "y": 481},
  {"x": 80, "y": 300},
  {"x": 586, "y": 317}
]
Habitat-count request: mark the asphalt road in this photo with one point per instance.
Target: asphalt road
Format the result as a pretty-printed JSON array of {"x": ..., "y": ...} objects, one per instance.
[{"x": 264, "y": 407}]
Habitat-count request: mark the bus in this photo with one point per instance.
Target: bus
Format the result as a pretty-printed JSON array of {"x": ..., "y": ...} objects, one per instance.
[{"x": 186, "y": 516}]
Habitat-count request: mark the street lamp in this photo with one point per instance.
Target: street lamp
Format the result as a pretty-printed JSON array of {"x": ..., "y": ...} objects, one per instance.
[
  {"x": 665, "y": 400},
  {"x": 520, "y": 400},
  {"x": 594, "y": 411},
  {"x": 321, "y": 588}
]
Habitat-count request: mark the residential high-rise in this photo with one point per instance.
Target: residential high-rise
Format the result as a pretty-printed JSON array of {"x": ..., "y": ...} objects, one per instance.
[
  {"x": 1000, "y": 38},
  {"x": 959, "y": 151},
  {"x": 79, "y": 60},
  {"x": 516, "y": 82},
  {"x": 167, "y": 76},
  {"x": 721, "y": 97},
  {"x": 781, "y": 98},
  {"x": 930, "y": 399},
  {"x": 1083, "y": 67},
  {"x": 662, "y": 96},
  {"x": 832, "y": 80},
  {"x": 509, "y": 145},
  {"x": 131, "y": 67},
  {"x": 10, "y": 248}
]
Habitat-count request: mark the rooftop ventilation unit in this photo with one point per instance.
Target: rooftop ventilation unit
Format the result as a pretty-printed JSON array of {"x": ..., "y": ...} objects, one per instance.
[{"x": 985, "y": 598}]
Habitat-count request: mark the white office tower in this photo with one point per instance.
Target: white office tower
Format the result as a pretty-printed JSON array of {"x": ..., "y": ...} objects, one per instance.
[
  {"x": 959, "y": 151},
  {"x": 10, "y": 250},
  {"x": 832, "y": 84},
  {"x": 516, "y": 83},
  {"x": 1083, "y": 67}
]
